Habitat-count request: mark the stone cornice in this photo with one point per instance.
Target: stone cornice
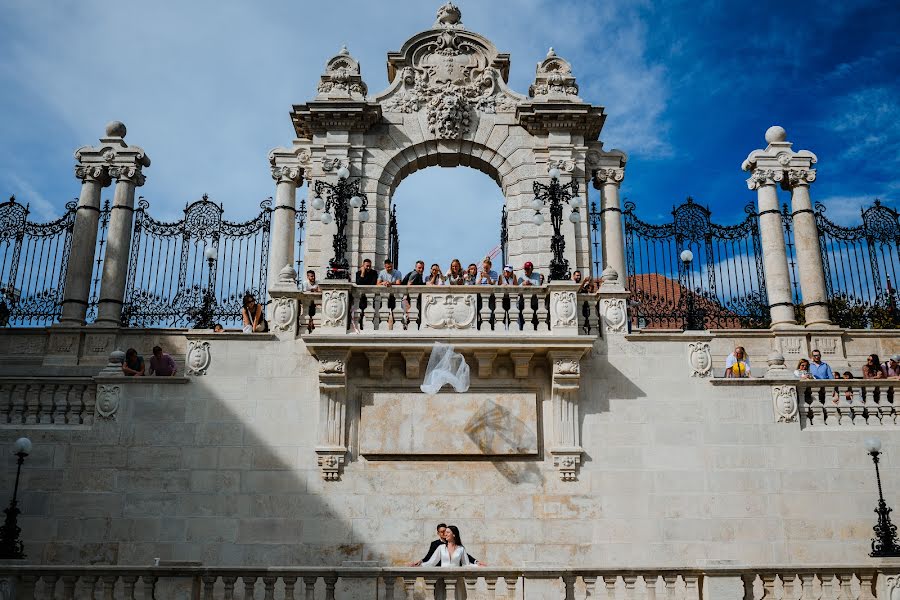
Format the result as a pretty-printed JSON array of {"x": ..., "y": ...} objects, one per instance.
[
  {"x": 324, "y": 116},
  {"x": 581, "y": 119}
]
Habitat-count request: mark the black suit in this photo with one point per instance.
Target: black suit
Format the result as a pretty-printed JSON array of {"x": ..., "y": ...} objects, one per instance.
[{"x": 437, "y": 544}]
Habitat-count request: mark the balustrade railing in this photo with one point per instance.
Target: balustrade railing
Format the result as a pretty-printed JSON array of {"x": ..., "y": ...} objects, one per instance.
[
  {"x": 453, "y": 310},
  {"x": 836, "y": 402},
  {"x": 310, "y": 583},
  {"x": 48, "y": 401}
]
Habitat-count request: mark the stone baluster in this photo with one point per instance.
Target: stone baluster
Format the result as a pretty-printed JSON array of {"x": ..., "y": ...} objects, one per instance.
[
  {"x": 608, "y": 181},
  {"x": 330, "y": 582},
  {"x": 128, "y": 586},
  {"x": 18, "y": 403},
  {"x": 844, "y": 590},
  {"x": 109, "y": 586},
  {"x": 827, "y": 581},
  {"x": 370, "y": 311},
  {"x": 484, "y": 313},
  {"x": 629, "y": 581},
  {"x": 389, "y": 587},
  {"x": 691, "y": 587},
  {"x": 806, "y": 242},
  {"x": 49, "y": 580},
  {"x": 309, "y": 586},
  {"x": 409, "y": 584},
  {"x": 6, "y": 393},
  {"x": 32, "y": 403},
  {"x": 60, "y": 403},
  {"x": 149, "y": 582},
  {"x": 93, "y": 171},
  {"x": 209, "y": 584},
  {"x": 384, "y": 310},
  {"x": 471, "y": 582},
  {"x": 748, "y": 580},
  {"x": 590, "y": 586},
  {"x": 73, "y": 405},
  {"x": 126, "y": 164},
  {"x": 249, "y": 582},
  {"x": 543, "y": 314},
  {"x": 450, "y": 588},
  {"x": 397, "y": 314},
  {"x": 650, "y": 580},
  {"x": 669, "y": 580},
  {"x": 281, "y": 246},
  {"x": 89, "y": 400},
  {"x": 568, "y": 581},
  {"x": 414, "y": 306},
  {"x": 767, "y": 171},
  {"x": 867, "y": 581},
  {"x": 269, "y": 583},
  {"x": 228, "y": 582},
  {"x": 514, "y": 312},
  {"x": 527, "y": 309},
  {"x": 46, "y": 404},
  {"x": 430, "y": 586},
  {"x": 768, "y": 582},
  {"x": 69, "y": 583},
  {"x": 491, "y": 583},
  {"x": 25, "y": 587}
]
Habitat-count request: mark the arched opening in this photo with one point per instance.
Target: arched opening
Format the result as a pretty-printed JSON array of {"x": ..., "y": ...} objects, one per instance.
[{"x": 448, "y": 213}]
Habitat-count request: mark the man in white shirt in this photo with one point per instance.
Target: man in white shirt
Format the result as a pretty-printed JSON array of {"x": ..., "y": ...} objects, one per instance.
[
  {"x": 529, "y": 277},
  {"x": 389, "y": 276},
  {"x": 310, "y": 285}
]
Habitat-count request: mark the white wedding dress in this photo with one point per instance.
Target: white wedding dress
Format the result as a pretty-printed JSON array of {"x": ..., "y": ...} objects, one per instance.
[{"x": 442, "y": 556}]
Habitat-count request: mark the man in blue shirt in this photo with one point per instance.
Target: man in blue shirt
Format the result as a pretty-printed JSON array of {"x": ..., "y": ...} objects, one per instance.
[{"x": 818, "y": 369}]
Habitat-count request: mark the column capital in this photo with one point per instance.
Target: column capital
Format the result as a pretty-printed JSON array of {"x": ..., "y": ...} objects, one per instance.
[
  {"x": 613, "y": 175},
  {"x": 287, "y": 174},
  {"x": 94, "y": 173},
  {"x": 797, "y": 177},
  {"x": 761, "y": 177},
  {"x": 112, "y": 158},
  {"x": 130, "y": 173}
]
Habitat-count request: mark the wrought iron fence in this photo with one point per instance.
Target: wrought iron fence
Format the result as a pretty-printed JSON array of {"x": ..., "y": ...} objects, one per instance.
[
  {"x": 721, "y": 286},
  {"x": 301, "y": 216},
  {"x": 861, "y": 267},
  {"x": 594, "y": 221},
  {"x": 504, "y": 237},
  {"x": 34, "y": 258},
  {"x": 174, "y": 266},
  {"x": 393, "y": 237},
  {"x": 787, "y": 222},
  {"x": 100, "y": 256}
]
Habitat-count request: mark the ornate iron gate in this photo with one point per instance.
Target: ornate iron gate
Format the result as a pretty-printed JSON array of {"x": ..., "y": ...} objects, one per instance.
[
  {"x": 100, "y": 256},
  {"x": 861, "y": 267},
  {"x": 393, "y": 238},
  {"x": 721, "y": 286},
  {"x": 597, "y": 251},
  {"x": 504, "y": 237},
  {"x": 170, "y": 274},
  {"x": 301, "y": 237},
  {"x": 34, "y": 258}
]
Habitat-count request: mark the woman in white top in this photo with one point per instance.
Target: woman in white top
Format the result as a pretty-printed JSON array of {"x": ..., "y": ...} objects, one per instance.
[{"x": 450, "y": 554}]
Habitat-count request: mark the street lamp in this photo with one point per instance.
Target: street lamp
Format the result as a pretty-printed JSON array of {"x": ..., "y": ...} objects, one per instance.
[
  {"x": 691, "y": 321},
  {"x": 10, "y": 544},
  {"x": 206, "y": 313},
  {"x": 555, "y": 194},
  {"x": 339, "y": 198},
  {"x": 885, "y": 541}
]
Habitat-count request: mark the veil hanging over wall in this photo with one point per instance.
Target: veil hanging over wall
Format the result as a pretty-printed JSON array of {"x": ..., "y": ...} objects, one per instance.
[{"x": 445, "y": 367}]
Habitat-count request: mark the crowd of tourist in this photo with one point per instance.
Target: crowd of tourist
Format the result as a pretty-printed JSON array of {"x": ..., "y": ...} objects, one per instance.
[{"x": 738, "y": 365}]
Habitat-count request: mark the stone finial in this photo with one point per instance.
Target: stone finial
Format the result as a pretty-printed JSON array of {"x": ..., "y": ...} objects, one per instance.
[
  {"x": 610, "y": 279},
  {"x": 113, "y": 366},
  {"x": 775, "y": 134},
  {"x": 115, "y": 129},
  {"x": 448, "y": 17},
  {"x": 776, "y": 369},
  {"x": 778, "y": 163},
  {"x": 287, "y": 276},
  {"x": 554, "y": 81},
  {"x": 342, "y": 79}
]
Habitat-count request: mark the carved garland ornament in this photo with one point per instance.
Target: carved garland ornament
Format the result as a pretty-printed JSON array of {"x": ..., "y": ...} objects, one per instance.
[
  {"x": 699, "y": 359},
  {"x": 784, "y": 400},
  {"x": 450, "y": 311},
  {"x": 198, "y": 358}
]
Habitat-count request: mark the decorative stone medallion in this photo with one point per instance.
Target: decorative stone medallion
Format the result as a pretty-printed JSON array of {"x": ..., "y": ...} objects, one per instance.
[
  {"x": 330, "y": 463},
  {"x": 198, "y": 358},
  {"x": 566, "y": 367},
  {"x": 784, "y": 400},
  {"x": 329, "y": 365},
  {"x": 566, "y": 464},
  {"x": 565, "y": 309},
  {"x": 450, "y": 311},
  {"x": 108, "y": 397},
  {"x": 283, "y": 314},
  {"x": 614, "y": 314},
  {"x": 334, "y": 304},
  {"x": 699, "y": 359}
]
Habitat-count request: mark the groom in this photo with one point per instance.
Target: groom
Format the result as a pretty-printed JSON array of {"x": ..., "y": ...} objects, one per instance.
[{"x": 441, "y": 529}]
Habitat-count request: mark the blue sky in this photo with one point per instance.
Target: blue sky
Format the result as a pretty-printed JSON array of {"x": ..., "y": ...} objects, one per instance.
[{"x": 690, "y": 88}]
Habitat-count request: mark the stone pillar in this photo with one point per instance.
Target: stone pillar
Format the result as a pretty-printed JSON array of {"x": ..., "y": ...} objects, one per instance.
[
  {"x": 77, "y": 289},
  {"x": 284, "y": 215},
  {"x": 808, "y": 251},
  {"x": 331, "y": 449},
  {"x": 126, "y": 167},
  {"x": 608, "y": 181},
  {"x": 767, "y": 170},
  {"x": 565, "y": 447}
]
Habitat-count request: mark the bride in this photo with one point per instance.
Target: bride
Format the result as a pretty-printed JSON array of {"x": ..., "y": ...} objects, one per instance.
[{"x": 450, "y": 554}]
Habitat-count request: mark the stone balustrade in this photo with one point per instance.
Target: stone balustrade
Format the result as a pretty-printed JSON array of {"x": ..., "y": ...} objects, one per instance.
[
  {"x": 47, "y": 401},
  {"x": 519, "y": 311},
  {"x": 719, "y": 583},
  {"x": 839, "y": 402}
]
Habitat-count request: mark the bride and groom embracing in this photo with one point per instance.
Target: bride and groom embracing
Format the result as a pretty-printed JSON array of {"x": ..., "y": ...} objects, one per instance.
[{"x": 447, "y": 550}]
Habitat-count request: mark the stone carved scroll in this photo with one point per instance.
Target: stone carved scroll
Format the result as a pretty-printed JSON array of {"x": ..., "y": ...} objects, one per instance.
[
  {"x": 784, "y": 401},
  {"x": 565, "y": 445},
  {"x": 198, "y": 358},
  {"x": 699, "y": 359}
]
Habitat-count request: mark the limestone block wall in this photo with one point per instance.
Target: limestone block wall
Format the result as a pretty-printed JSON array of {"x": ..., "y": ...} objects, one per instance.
[{"x": 223, "y": 470}]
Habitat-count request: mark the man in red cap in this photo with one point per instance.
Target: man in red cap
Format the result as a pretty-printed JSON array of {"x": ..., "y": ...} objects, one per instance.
[{"x": 529, "y": 277}]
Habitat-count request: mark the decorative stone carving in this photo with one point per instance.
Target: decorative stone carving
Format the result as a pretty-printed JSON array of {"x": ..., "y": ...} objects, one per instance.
[
  {"x": 826, "y": 345},
  {"x": 700, "y": 359},
  {"x": 334, "y": 307},
  {"x": 892, "y": 588},
  {"x": 449, "y": 311},
  {"x": 784, "y": 400},
  {"x": 564, "y": 309},
  {"x": 287, "y": 276},
  {"x": 566, "y": 464},
  {"x": 331, "y": 365},
  {"x": 566, "y": 166},
  {"x": 342, "y": 79},
  {"x": 448, "y": 17},
  {"x": 801, "y": 176},
  {"x": 614, "y": 314},
  {"x": 554, "y": 80},
  {"x": 284, "y": 314},
  {"x": 108, "y": 398},
  {"x": 63, "y": 344},
  {"x": 521, "y": 363},
  {"x": 98, "y": 173},
  {"x": 286, "y": 174},
  {"x": 567, "y": 366},
  {"x": 791, "y": 346},
  {"x": 761, "y": 177},
  {"x": 330, "y": 463},
  {"x": 98, "y": 344},
  {"x": 198, "y": 358},
  {"x": 413, "y": 360},
  {"x": 612, "y": 175},
  {"x": 331, "y": 164},
  {"x": 376, "y": 363},
  {"x": 485, "y": 360}
]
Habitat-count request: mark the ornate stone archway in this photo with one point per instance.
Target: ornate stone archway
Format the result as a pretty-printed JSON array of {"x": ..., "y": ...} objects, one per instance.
[{"x": 447, "y": 104}]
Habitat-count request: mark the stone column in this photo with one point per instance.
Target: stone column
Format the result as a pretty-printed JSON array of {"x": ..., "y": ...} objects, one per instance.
[
  {"x": 331, "y": 449},
  {"x": 77, "y": 289},
  {"x": 806, "y": 244},
  {"x": 565, "y": 447},
  {"x": 281, "y": 243},
  {"x": 608, "y": 181},
  {"x": 767, "y": 171},
  {"x": 126, "y": 165}
]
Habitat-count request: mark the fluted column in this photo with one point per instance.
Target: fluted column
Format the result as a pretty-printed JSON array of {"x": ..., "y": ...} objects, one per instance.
[
  {"x": 281, "y": 243},
  {"x": 94, "y": 178},
  {"x": 126, "y": 167},
  {"x": 608, "y": 181},
  {"x": 808, "y": 251},
  {"x": 771, "y": 233}
]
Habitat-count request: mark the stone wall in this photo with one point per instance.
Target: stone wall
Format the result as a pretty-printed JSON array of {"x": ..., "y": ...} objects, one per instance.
[{"x": 676, "y": 472}]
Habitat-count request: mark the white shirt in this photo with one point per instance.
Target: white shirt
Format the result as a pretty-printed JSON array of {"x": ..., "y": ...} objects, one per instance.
[
  {"x": 533, "y": 279},
  {"x": 390, "y": 277},
  {"x": 442, "y": 556},
  {"x": 306, "y": 286}
]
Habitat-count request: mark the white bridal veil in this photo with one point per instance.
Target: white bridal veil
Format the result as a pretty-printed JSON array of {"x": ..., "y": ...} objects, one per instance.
[{"x": 445, "y": 366}]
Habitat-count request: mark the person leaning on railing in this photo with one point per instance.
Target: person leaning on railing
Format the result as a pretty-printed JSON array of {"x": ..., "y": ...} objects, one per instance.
[
  {"x": 891, "y": 368},
  {"x": 738, "y": 363},
  {"x": 872, "y": 368},
  {"x": 455, "y": 274},
  {"x": 252, "y": 315},
  {"x": 310, "y": 286},
  {"x": 133, "y": 365},
  {"x": 802, "y": 371}
]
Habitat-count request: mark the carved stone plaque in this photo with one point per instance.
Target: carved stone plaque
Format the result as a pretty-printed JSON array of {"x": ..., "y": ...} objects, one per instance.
[{"x": 449, "y": 424}]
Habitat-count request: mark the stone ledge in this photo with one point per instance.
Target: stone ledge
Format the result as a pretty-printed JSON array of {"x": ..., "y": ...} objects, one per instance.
[
  {"x": 147, "y": 379},
  {"x": 209, "y": 334}
]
